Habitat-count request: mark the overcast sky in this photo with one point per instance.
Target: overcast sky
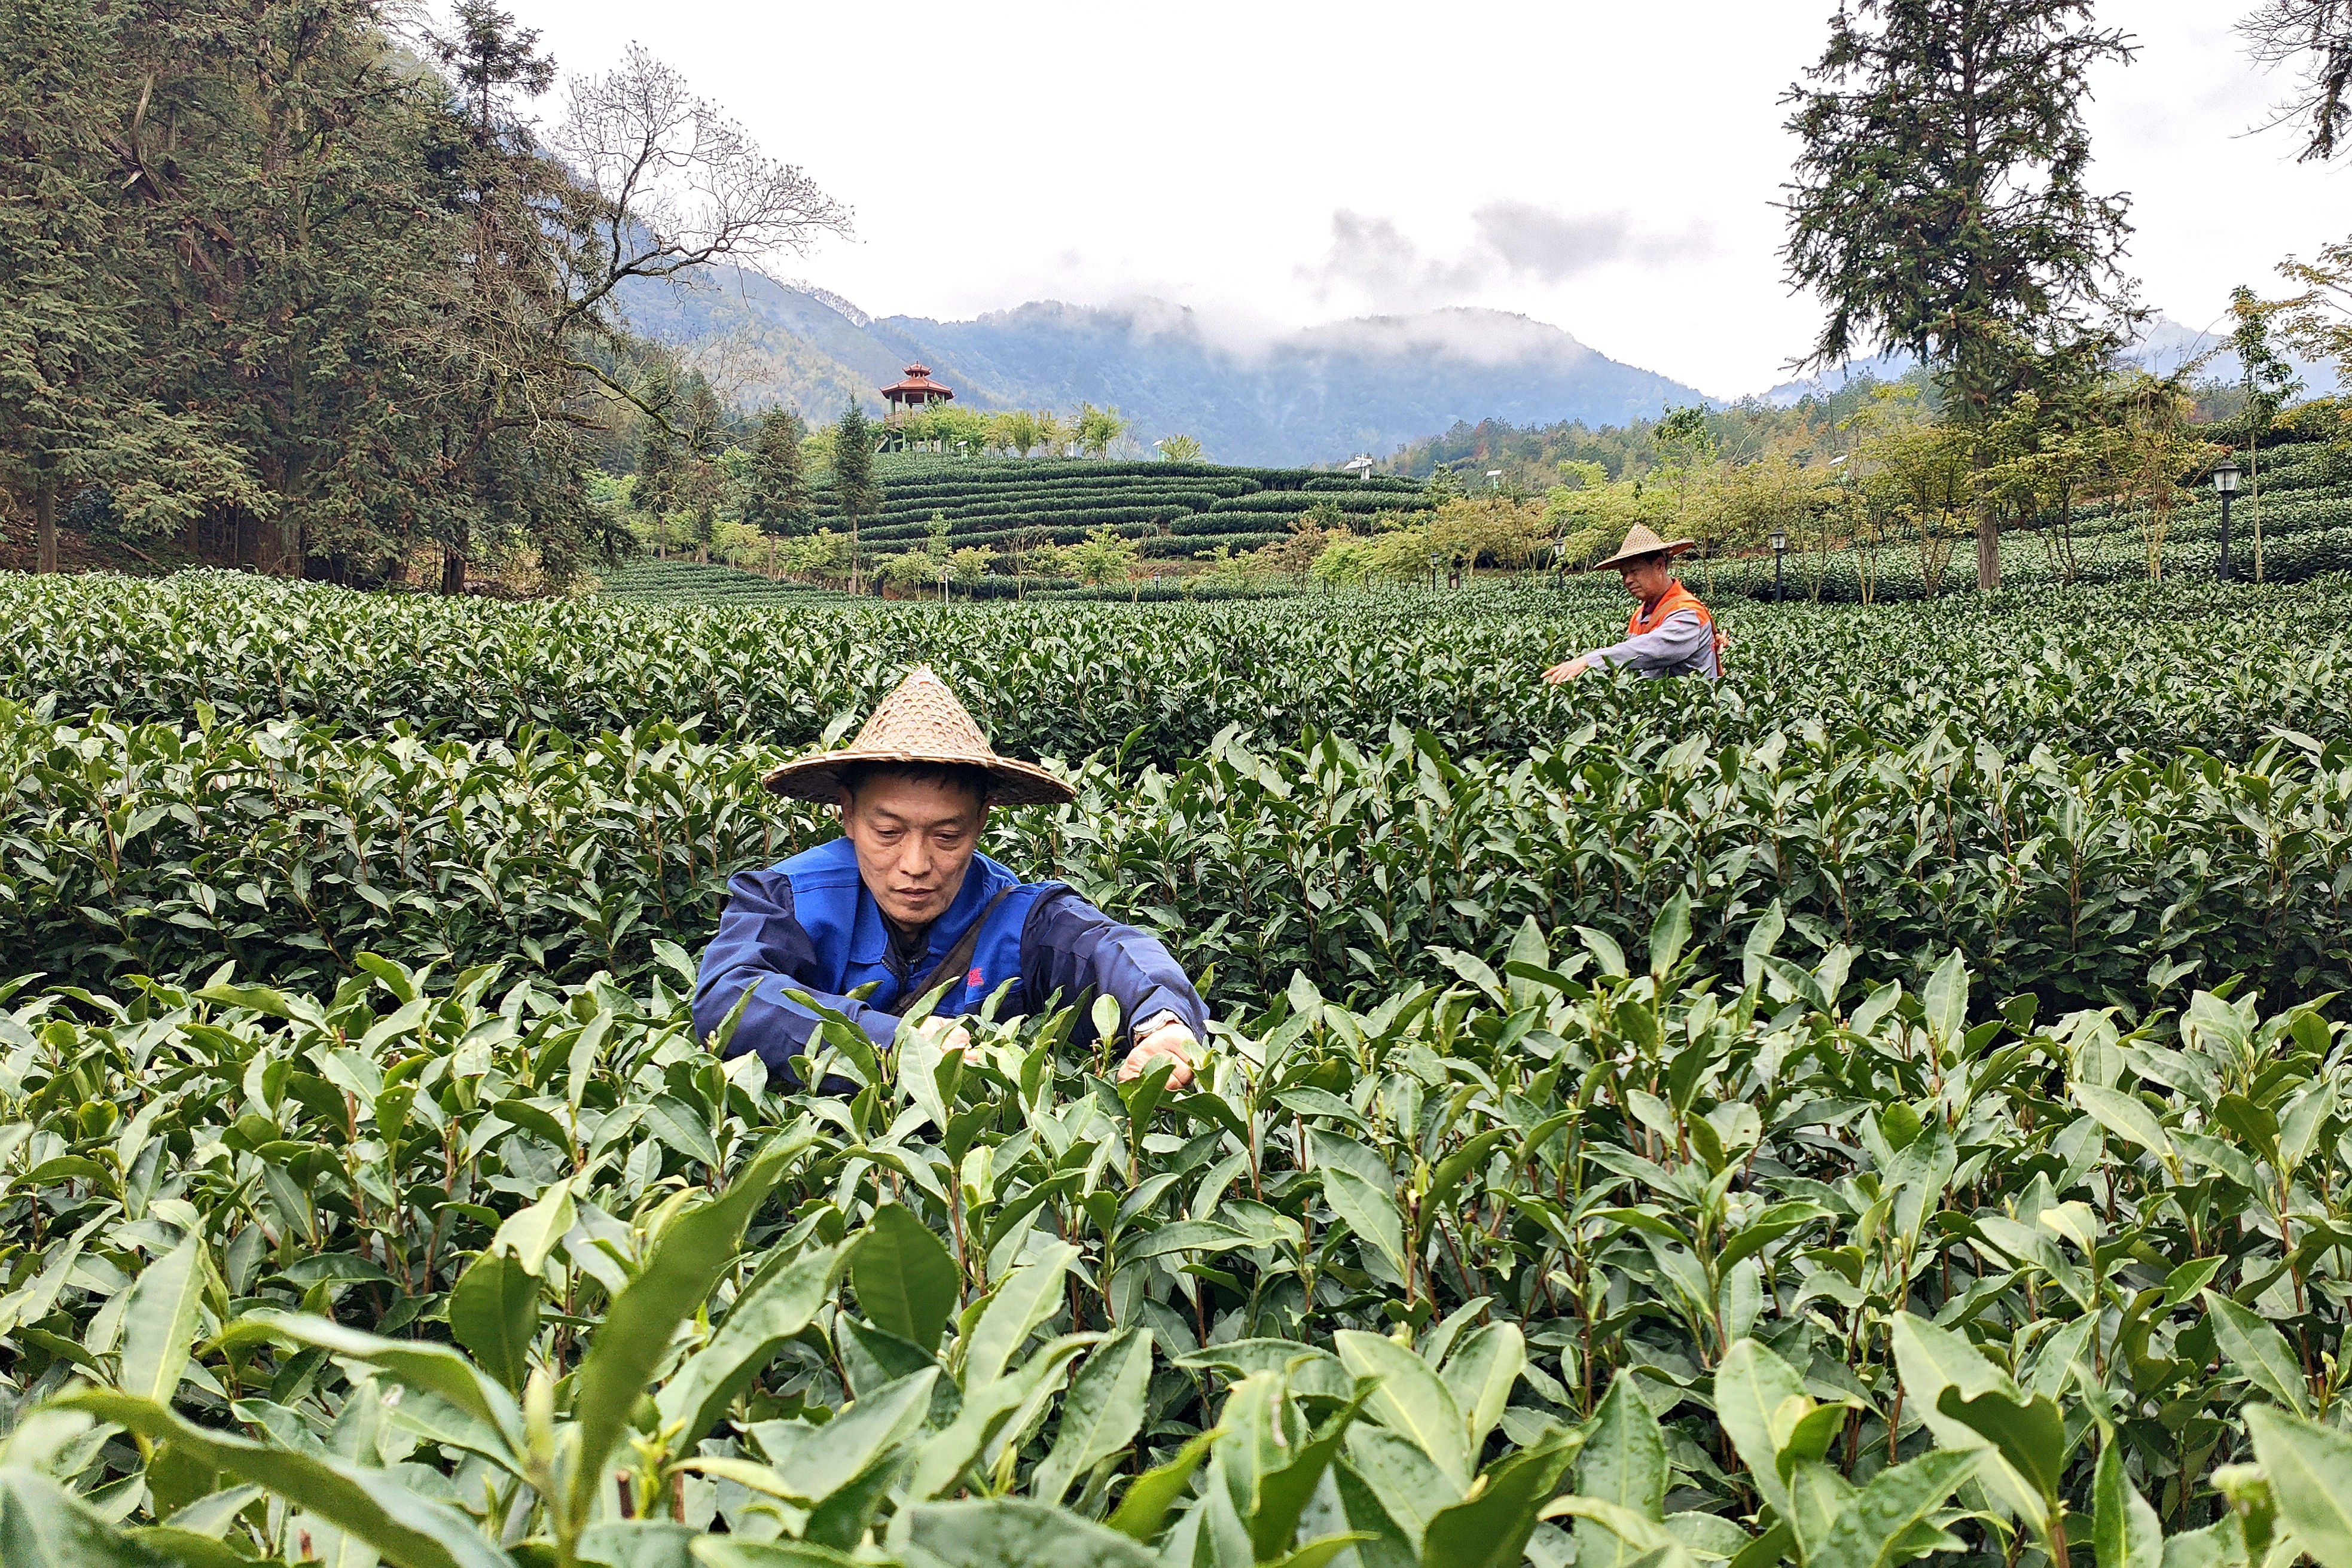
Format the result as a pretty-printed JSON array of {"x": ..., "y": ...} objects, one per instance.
[{"x": 1609, "y": 168}]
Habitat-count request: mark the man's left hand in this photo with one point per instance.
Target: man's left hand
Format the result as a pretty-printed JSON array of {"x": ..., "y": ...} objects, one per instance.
[{"x": 1163, "y": 1036}]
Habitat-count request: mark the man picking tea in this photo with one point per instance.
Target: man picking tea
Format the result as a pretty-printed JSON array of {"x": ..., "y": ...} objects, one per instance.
[
  {"x": 903, "y": 902},
  {"x": 1671, "y": 633}
]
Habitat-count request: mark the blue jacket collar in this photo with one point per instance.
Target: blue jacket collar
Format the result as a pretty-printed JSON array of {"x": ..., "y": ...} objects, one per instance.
[{"x": 869, "y": 939}]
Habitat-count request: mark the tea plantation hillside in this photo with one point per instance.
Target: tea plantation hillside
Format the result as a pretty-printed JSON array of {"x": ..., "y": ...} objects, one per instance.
[{"x": 1175, "y": 509}]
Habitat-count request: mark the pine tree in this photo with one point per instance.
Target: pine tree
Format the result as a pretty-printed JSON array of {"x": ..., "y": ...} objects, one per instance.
[
  {"x": 1940, "y": 206},
  {"x": 856, "y": 492},
  {"x": 776, "y": 490},
  {"x": 655, "y": 493}
]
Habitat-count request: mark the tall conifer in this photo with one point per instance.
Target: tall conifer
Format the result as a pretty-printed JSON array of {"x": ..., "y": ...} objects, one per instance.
[
  {"x": 1940, "y": 203},
  {"x": 856, "y": 492}
]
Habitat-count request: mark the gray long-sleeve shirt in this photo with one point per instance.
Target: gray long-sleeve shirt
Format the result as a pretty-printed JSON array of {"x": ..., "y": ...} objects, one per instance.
[{"x": 1682, "y": 644}]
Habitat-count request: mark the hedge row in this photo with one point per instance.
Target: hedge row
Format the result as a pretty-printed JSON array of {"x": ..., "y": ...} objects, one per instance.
[
  {"x": 919, "y": 518},
  {"x": 1184, "y": 546},
  {"x": 1087, "y": 481},
  {"x": 1053, "y": 495},
  {"x": 1351, "y": 501}
]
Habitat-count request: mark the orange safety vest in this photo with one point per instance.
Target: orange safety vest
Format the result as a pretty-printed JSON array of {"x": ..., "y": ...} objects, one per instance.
[{"x": 1649, "y": 617}]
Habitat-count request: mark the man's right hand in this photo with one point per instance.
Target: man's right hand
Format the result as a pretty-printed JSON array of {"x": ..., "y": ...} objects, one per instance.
[
  {"x": 953, "y": 1038},
  {"x": 1569, "y": 671}
]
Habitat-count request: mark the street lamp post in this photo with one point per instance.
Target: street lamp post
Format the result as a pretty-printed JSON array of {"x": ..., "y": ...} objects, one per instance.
[
  {"x": 943, "y": 584},
  {"x": 2225, "y": 485},
  {"x": 1779, "y": 554},
  {"x": 1433, "y": 571}
]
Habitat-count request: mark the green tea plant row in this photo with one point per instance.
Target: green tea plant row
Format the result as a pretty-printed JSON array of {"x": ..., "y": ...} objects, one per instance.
[
  {"x": 1577, "y": 1259},
  {"x": 1203, "y": 542},
  {"x": 2092, "y": 672},
  {"x": 692, "y": 582},
  {"x": 930, "y": 479},
  {"x": 287, "y": 851},
  {"x": 1137, "y": 520},
  {"x": 2304, "y": 508},
  {"x": 1133, "y": 522}
]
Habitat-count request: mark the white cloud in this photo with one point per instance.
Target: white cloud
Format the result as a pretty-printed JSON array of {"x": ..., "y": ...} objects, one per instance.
[
  {"x": 1374, "y": 261},
  {"x": 1270, "y": 166}
]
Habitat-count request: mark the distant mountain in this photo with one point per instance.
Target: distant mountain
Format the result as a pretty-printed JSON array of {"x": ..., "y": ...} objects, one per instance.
[
  {"x": 2163, "y": 346},
  {"x": 1880, "y": 367},
  {"x": 1316, "y": 395}
]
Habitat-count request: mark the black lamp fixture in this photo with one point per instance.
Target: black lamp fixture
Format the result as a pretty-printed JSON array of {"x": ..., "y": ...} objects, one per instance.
[
  {"x": 1433, "y": 571},
  {"x": 1780, "y": 553},
  {"x": 2225, "y": 485}
]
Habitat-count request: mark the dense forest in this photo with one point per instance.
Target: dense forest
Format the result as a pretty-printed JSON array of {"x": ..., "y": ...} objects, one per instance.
[{"x": 308, "y": 291}]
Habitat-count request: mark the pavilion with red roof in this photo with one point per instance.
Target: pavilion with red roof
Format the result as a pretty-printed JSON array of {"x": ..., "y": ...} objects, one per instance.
[
  {"x": 915, "y": 394},
  {"x": 907, "y": 399}
]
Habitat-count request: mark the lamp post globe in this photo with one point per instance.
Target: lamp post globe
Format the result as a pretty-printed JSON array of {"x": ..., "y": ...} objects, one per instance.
[{"x": 2225, "y": 485}]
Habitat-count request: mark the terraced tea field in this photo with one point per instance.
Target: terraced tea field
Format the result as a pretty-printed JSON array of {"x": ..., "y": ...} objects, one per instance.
[{"x": 1175, "y": 509}]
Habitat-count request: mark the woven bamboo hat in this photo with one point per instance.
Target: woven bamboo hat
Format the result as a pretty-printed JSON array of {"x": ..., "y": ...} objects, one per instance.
[
  {"x": 921, "y": 721},
  {"x": 1641, "y": 541}
]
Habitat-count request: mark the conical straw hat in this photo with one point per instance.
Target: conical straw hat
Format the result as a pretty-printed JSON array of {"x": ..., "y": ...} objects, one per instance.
[
  {"x": 1641, "y": 541},
  {"x": 921, "y": 721}
]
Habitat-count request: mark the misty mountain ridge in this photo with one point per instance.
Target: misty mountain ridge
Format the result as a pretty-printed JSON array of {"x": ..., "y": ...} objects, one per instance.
[
  {"x": 1320, "y": 393},
  {"x": 1315, "y": 395}
]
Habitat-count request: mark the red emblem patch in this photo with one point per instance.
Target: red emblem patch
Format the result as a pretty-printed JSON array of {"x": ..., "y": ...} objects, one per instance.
[{"x": 973, "y": 978}]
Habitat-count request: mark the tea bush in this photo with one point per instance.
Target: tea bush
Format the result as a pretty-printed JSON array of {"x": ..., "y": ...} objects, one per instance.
[
  {"x": 287, "y": 851},
  {"x": 1783, "y": 1269},
  {"x": 2127, "y": 668},
  {"x": 1887, "y": 1107}
]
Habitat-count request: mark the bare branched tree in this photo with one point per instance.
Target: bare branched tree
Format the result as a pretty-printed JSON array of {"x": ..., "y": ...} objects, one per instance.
[
  {"x": 675, "y": 186},
  {"x": 2313, "y": 38}
]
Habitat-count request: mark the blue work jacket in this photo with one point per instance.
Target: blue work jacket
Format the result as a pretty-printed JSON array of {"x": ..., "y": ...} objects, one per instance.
[{"x": 809, "y": 924}]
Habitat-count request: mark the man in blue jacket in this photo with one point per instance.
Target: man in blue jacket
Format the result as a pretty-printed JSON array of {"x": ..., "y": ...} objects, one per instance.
[{"x": 904, "y": 902}]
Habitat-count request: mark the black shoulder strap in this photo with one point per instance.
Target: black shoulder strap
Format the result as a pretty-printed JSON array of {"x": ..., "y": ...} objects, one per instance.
[{"x": 957, "y": 959}]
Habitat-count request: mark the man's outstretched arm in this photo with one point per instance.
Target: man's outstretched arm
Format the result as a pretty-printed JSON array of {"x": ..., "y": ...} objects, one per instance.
[
  {"x": 1674, "y": 643},
  {"x": 760, "y": 950}
]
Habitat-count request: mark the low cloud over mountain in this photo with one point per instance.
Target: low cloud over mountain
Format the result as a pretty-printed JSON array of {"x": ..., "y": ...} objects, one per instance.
[{"x": 1315, "y": 395}]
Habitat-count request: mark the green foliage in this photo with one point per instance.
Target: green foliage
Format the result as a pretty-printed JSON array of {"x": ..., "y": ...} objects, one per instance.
[
  {"x": 2082, "y": 800},
  {"x": 1885, "y": 1106},
  {"x": 1596, "y": 1329},
  {"x": 856, "y": 492},
  {"x": 306, "y": 287}
]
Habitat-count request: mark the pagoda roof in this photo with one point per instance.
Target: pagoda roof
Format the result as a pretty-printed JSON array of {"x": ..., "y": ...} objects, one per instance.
[{"x": 917, "y": 384}]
